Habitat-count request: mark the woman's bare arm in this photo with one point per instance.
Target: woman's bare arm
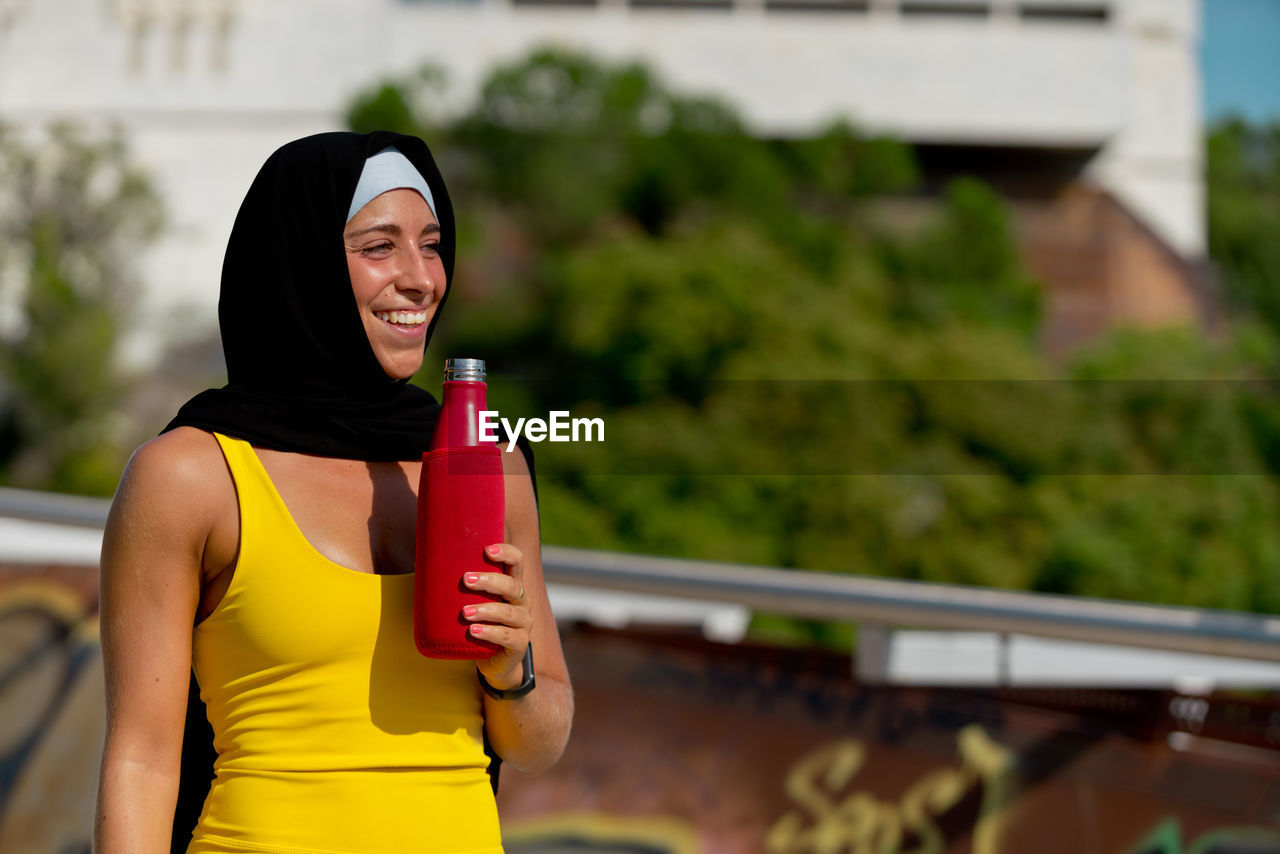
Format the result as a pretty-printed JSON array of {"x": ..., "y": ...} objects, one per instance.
[
  {"x": 529, "y": 732},
  {"x": 153, "y": 557}
]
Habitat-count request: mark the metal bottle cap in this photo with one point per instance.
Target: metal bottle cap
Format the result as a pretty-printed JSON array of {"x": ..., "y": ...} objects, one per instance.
[{"x": 464, "y": 369}]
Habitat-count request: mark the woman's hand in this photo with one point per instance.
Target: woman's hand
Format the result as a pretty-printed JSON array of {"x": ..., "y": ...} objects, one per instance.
[{"x": 508, "y": 623}]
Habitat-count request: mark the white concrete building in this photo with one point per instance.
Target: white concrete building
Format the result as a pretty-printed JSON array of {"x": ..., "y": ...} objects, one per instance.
[{"x": 205, "y": 89}]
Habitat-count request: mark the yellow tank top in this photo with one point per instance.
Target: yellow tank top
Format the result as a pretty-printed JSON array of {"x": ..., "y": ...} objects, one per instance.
[{"x": 333, "y": 733}]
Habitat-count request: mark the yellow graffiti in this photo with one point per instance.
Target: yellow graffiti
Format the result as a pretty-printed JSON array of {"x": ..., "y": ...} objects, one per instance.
[
  {"x": 592, "y": 831},
  {"x": 830, "y": 820},
  {"x": 991, "y": 763}
]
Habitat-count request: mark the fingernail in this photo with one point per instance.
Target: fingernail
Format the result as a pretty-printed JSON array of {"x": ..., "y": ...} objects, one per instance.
[
  {"x": 477, "y": 630},
  {"x": 493, "y": 550},
  {"x": 473, "y": 577},
  {"x": 469, "y": 611}
]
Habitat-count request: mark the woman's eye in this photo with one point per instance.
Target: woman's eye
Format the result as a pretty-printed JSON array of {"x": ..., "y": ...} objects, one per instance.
[
  {"x": 430, "y": 248},
  {"x": 376, "y": 249}
]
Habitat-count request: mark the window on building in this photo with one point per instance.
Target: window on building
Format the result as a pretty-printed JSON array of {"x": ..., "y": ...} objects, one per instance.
[
  {"x": 1085, "y": 13},
  {"x": 817, "y": 5},
  {"x": 549, "y": 3},
  {"x": 943, "y": 9},
  {"x": 682, "y": 4}
]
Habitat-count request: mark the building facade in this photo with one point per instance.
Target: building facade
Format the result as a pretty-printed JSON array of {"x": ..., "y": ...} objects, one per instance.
[{"x": 1089, "y": 108}]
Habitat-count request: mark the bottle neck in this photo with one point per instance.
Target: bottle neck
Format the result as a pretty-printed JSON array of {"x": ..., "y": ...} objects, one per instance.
[{"x": 463, "y": 401}]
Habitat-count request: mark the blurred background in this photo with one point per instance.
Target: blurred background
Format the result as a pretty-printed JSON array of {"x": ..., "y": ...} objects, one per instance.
[{"x": 886, "y": 305}]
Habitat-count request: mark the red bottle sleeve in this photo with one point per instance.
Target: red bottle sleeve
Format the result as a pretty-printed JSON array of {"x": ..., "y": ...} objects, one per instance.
[{"x": 460, "y": 511}]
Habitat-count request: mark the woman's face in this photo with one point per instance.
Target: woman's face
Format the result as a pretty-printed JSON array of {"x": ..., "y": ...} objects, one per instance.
[{"x": 393, "y": 256}]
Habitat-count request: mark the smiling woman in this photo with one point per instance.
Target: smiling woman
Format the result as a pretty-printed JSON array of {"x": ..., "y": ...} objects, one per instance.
[{"x": 267, "y": 538}]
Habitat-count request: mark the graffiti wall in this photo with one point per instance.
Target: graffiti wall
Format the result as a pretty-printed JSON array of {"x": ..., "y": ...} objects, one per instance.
[
  {"x": 51, "y": 709},
  {"x": 687, "y": 746},
  {"x": 682, "y": 746}
]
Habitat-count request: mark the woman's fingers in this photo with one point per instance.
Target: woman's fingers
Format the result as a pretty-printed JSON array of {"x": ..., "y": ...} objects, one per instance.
[
  {"x": 496, "y": 612},
  {"x": 513, "y": 640},
  {"x": 506, "y": 623},
  {"x": 508, "y": 554},
  {"x": 510, "y": 584},
  {"x": 506, "y": 587},
  {"x": 514, "y": 611}
]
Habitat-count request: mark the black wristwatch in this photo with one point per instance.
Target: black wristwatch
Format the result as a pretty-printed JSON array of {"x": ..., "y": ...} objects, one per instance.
[{"x": 520, "y": 690}]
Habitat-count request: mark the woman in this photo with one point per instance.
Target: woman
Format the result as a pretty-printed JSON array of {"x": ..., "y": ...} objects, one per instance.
[{"x": 276, "y": 516}]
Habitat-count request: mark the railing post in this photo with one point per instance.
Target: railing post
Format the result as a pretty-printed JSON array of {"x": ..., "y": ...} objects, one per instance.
[{"x": 871, "y": 656}]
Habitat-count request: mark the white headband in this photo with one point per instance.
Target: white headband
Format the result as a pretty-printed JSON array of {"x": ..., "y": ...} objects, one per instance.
[{"x": 388, "y": 170}]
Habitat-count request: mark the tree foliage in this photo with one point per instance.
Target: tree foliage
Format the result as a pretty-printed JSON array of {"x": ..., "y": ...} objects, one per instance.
[
  {"x": 1244, "y": 216},
  {"x": 791, "y": 377},
  {"x": 74, "y": 217}
]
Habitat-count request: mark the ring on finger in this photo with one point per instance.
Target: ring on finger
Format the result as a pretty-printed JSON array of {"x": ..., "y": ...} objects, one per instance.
[{"x": 519, "y": 598}]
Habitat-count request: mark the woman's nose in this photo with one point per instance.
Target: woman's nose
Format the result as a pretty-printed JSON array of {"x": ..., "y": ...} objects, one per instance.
[{"x": 415, "y": 275}]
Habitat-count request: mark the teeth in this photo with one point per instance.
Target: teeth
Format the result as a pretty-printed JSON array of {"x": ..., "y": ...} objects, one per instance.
[{"x": 403, "y": 318}]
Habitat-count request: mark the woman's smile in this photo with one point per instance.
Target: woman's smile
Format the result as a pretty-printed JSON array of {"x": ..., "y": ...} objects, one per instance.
[{"x": 405, "y": 319}]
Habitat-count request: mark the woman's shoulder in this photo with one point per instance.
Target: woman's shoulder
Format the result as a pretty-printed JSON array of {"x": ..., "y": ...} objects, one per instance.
[
  {"x": 185, "y": 454},
  {"x": 178, "y": 474}
]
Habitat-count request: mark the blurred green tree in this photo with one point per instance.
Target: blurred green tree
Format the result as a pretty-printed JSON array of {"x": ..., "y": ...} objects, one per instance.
[
  {"x": 74, "y": 217},
  {"x": 1244, "y": 216},
  {"x": 791, "y": 377}
]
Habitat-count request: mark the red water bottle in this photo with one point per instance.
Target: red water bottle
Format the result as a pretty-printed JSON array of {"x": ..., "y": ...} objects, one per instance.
[{"x": 460, "y": 511}]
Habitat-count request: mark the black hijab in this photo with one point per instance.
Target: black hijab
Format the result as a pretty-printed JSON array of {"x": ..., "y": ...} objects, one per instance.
[{"x": 301, "y": 374}]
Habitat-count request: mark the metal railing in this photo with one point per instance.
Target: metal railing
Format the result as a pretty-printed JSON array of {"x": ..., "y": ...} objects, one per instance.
[
  {"x": 883, "y": 601},
  {"x": 56, "y": 509},
  {"x": 846, "y": 598}
]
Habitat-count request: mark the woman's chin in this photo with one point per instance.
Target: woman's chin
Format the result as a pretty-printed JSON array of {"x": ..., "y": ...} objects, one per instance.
[{"x": 400, "y": 366}]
